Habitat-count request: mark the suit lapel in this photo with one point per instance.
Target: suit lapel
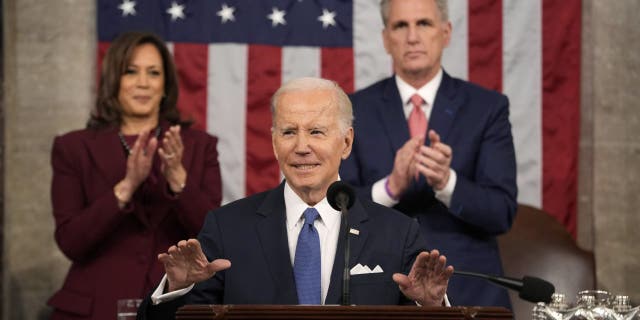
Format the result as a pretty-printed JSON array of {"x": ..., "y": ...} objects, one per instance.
[
  {"x": 445, "y": 107},
  {"x": 107, "y": 153},
  {"x": 275, "y": 246},
  {"x": 357, "y": 216},
  {"x": 392, "y": 115}
]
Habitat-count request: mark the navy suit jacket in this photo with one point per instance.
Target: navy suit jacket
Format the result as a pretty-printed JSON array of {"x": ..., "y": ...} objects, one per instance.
[
  {"x": 475, "y": 123},
  {"x": 252, "y": 234}
]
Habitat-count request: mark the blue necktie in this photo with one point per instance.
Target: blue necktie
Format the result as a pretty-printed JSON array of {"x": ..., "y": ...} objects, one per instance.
[{"x": 306, "y": 265}]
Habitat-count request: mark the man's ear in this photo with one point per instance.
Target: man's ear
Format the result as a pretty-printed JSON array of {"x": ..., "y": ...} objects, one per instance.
[
  {"x": 385, "y": 40},
  {"x": 348, "y": 143},
  {"x": 273, "y": 143}
]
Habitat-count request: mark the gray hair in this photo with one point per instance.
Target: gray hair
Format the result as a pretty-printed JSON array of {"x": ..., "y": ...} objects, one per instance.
[
  {"x": 442, "y": 5},
  {"x": 345, "y": 113}
]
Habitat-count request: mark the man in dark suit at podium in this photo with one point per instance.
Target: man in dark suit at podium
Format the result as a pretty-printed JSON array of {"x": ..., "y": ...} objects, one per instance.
[{"x": 283, "y": 246}]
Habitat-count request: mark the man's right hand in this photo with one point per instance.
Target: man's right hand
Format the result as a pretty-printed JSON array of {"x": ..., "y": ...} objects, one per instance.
[
  {"x": 186, "y": 264},
  {"x": 404, "y": 169}
]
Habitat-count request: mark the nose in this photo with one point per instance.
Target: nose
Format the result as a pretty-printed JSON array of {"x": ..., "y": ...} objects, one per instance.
[
  {"x": 142, "y": 80},
  {"x": 302, "y": 144},
  {"x": 412, "y": 34}
]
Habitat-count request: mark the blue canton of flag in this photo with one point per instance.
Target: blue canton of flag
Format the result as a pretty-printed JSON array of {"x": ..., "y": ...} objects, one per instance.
[{"x": 325, "y": 23}]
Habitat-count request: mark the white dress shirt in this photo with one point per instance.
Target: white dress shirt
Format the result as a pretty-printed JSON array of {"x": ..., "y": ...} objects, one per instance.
[
  {"x": 328, "y": 226},
  {"x": 428, "y": 94}
]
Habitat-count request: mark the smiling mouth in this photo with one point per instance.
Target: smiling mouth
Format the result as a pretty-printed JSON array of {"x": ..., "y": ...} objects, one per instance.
[{"x": 305, "y": 167}]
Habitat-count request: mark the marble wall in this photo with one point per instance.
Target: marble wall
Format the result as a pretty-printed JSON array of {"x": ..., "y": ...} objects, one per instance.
[
  {"x": 48, "y": 90},
  {"x": 610, "y": 55}
]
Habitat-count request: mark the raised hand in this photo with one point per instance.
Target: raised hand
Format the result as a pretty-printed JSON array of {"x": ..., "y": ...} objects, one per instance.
[
  {"x": 139, "y": 164},
  {"x": 434, "y": 162},
  {"x": 404, "y": 168},
  {"x": 428, "y": 279},
  {"x": 171, "y": 154},
  {"x": 186, "y": 264}
]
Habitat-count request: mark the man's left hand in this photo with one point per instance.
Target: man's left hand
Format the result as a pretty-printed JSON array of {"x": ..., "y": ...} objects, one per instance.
[
  {"x": 428, "y": 279},
  {"x": 434, "y": 162}
]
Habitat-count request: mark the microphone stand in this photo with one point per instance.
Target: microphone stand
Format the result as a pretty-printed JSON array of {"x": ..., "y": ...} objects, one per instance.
[{"x": 346, "y": 294}]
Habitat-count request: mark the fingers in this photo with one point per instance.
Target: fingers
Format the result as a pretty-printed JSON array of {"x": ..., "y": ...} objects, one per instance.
[
  {"x": 172, "y": 147},
  {"x": 434, "y": 136},
  {"x": 185, "y": 251},
  {"x": 219, "y": 265},
  {"x": 404, "y": 168},
  {"x": 402, "y": 281},
  {"x": 434, "y": 162},
  {"x": 150, "y": 148},
  {"x": 436, "y": 265}
]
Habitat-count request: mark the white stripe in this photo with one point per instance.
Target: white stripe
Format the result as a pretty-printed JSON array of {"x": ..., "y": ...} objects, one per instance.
[
  {"x": 300, "y": 62},
  {"x": 455, "y": 58},
  {"x": 522, "y": 83},
  {"x": 170, "y": 47},
  {"x": 371, "y": 61},
  {"x": 226, "y": 113}
]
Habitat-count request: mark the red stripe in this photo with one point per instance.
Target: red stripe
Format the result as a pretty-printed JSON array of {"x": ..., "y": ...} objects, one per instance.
[
  {"x": 337, "y": 65},
  {"x": 263, "y": 79},
  {"x": 191, "y": 64},
  {"x": 561, "y": 28},
  {"x": 485, "y": 43},
  {"x": 102, "y": 51}
]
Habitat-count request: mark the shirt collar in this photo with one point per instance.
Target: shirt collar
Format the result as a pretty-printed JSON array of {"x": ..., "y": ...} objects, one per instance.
[
  {"x": 295, "y": 207},
  {"x": 426, "y": 92}
]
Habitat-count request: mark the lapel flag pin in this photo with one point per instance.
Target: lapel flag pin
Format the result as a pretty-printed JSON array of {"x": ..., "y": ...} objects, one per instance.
[{"x": 354, "y": 231}]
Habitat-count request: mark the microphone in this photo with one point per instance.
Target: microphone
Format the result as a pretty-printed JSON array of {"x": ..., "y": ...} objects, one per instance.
[
  {"x": 341, "y": 197},
  {"x": 531, "y": 289}
]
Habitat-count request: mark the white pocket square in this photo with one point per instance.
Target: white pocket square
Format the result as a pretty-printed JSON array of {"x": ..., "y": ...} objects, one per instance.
[{"x": 360, "y": 269}]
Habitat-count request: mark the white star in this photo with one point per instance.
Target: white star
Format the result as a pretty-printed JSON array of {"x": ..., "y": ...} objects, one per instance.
[
  {"x": 327, "y": 18},
  {"x": 277, "y": 17},
  {"x": 128, "y": 7},
  {"x": 176, "y": 11},
  {"x": 226, "y": 13}
]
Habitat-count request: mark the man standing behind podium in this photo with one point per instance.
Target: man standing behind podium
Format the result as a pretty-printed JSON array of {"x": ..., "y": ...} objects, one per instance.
[
  {"x": 437, "y": 148},
  {"x": 283, "y": 246}
]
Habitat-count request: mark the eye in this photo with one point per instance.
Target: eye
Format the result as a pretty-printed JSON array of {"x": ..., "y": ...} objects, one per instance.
[
  {"x": 316, "y": 132},
  {"x": 288, "y": 132},
  {"x": 155, "y": 73},
  {"x": 424, "y": 23},
  {"x": 130, "y": 71},
  {"x": 399, "y": 25}
]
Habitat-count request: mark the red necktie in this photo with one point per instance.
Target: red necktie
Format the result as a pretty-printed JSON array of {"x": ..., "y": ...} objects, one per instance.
[{"x": 417, "y": 118}]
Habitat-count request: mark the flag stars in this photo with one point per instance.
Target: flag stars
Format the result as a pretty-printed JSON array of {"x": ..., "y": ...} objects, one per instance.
[
  {"x": 176, "y": 11},
  {"x": 128, "y": 7},
  {"x": 327, "y": 18},
  {"x": 226, "y": 13},
  {"x": 277, "y": 17}
]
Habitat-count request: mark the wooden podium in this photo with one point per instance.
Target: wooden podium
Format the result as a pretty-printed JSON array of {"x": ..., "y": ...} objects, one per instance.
[{"x": 290, "y": 312}]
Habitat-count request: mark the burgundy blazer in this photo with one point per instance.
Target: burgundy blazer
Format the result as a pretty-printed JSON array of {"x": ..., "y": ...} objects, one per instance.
[{"x": 114, "y": 252}]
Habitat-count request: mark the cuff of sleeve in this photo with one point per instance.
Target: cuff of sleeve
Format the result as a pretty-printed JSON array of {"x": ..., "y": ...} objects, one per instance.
[
  {"x": 380, "y": 195},
  {"x": 446, "y": 193},
  {"x": 445, "y": 302},
  {"x": 158, "y": 296}
]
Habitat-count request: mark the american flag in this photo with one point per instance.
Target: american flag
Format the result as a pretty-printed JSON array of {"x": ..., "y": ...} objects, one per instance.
[{"x": 231, "y": 56}]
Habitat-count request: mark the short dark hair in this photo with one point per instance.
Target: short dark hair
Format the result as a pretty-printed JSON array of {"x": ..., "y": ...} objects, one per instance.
[{"x": 108, "y": 110}]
